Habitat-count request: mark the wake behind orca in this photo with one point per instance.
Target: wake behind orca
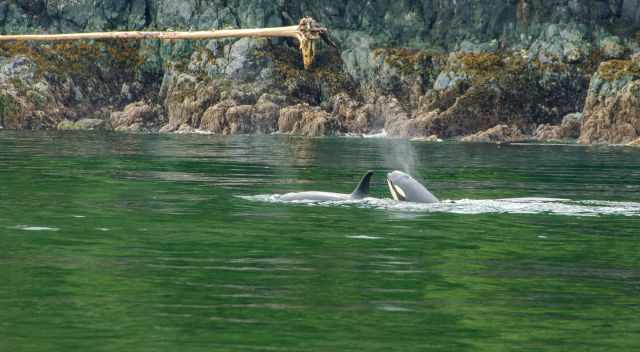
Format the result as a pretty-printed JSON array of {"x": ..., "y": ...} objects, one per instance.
[{"x": 410, "y": 196}]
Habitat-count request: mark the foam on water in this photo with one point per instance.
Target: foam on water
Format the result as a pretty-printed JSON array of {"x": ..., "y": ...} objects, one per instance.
[
  {"x": 35, "y": 228},
  {"x": 377, "y": 134},
  {"x": 194, "y": 131},
  {"x": 479, "y": 206},
  {"x": 364, "y": 237}
]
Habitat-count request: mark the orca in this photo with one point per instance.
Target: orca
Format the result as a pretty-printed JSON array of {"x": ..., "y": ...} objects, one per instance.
[
  {"x": 405, "y": 188},
  {"x": 361, "y": 192}
]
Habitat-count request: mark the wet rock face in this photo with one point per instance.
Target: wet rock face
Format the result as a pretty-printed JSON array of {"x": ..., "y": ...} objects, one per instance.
[
  {"x": 42, "y": 85},
  {"x": 613, "y": 119},
  {"x": 612, "y": 110},
  {"x": 475, "y": 92}
]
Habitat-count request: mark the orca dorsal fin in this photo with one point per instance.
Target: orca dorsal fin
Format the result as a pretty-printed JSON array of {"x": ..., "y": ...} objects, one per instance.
[{"x": 362, "y": 190}]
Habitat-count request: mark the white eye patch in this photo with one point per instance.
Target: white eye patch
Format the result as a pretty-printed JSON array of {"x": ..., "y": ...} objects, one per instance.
[
  {"x": 397, "y": 192},
  {"x": 394, "y": 194},
  {"x": 400, "y": 192}
]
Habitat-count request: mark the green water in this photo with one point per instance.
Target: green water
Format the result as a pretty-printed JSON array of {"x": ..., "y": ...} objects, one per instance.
[{"x": 145, "y": 243}]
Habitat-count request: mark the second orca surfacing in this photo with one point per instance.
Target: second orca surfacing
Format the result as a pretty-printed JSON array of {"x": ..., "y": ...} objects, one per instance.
[{"x": 405, "y": 188}]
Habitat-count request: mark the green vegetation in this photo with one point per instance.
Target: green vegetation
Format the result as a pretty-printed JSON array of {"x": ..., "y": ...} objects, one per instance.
[
  {"x": 497, "y": 66},
  {"x": 8, "y": 108},
  {"x": 77, "y": 58},
  {"x": 615, "y": 69},
  {"x": 483, "y": 63},
  {"x": 410, "y": 61}
]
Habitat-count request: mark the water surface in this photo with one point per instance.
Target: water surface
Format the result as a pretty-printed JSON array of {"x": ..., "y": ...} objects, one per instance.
[{"x": 112, "y": 242}]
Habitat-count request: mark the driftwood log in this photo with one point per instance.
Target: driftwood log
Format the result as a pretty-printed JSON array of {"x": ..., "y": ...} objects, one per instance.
[{"x": 306, "y": 32}]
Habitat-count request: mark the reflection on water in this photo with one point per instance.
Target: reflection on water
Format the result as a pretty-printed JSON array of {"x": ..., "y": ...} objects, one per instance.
[{"x": 116, "y": 242}]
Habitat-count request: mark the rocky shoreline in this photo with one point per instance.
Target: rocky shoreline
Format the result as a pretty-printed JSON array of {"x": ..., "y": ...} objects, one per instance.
[{"x": 530, "y": 75}]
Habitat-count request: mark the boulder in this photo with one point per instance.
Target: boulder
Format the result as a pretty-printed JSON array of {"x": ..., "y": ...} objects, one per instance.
[
  {"x": 612, "y": 47},
  {"x": 418, "y": 127},
  {"x": 308, "y": 121},
  {"x": 569, "y": 129},
  {"x": 187, "y": 98},
  {"x": 389, "y": 110},
  {"x": 83, "y": 124},
  {"x": 497, "y": 134},
  {"x": 571, "y": 125},
  {"x": 91, "y": 124},
  {"x": 546, "y": 132},
  {"x": 214, "y": 119},
  {"x": 355, "y": 117},
  {"x": 228, "y": 118},
  {"x": 240, "y": 120},
  {"x": 290, "y": 118},
  {"x": 135, "y": 117},
  {"x": 266, "y": 113},
  {"x": 319, "y": 123}
]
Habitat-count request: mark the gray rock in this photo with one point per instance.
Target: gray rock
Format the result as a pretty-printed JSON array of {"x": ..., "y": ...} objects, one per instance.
[
  {"x": 17, "y": 68},
  {"x": 448, "y": 80},
  {"x": 564, "y": 43},
  {"x": 171, "y": 13},
  {"x": 242, "y": 61},
  {"x": 265, "y": 116},
  {"x": 612, "y": 47},
  {"x": 467, "y": 46},
  {"x": 571, "y": 125},
  {"x": 138, "y": 116}
]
